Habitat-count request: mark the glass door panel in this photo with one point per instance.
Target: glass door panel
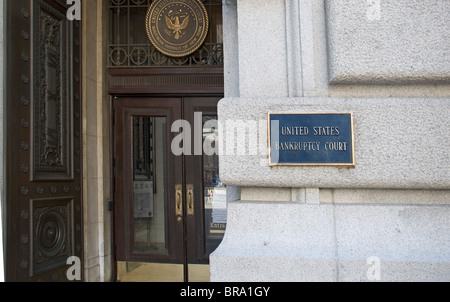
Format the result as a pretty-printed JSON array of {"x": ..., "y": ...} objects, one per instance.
[
  {"x": 149, "y": 183},
  {"x": 214, "y": 191}
]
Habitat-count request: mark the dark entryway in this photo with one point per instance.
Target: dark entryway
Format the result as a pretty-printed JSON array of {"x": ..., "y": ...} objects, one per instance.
[
  {"x": 170, "y": 208},
  {"x": 168, "y": 215}
]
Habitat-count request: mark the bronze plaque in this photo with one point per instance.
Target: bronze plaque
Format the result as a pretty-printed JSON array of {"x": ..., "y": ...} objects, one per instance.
[
  {"x": 177, "y": 28},
  {"x": 315, "y": 139}
]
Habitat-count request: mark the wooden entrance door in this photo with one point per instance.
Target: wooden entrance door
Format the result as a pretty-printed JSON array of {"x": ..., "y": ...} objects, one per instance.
[
  {"x": 166, "y": 224},
  {"x": 43, "y": 145}
]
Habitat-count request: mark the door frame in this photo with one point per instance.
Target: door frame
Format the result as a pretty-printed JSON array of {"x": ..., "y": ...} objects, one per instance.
[
  {"x": 151, "y": 83},
  {"x": 125, "y": 108},
  {"x": 195, "y": 229},
  {"x": 186, "y": 240}
]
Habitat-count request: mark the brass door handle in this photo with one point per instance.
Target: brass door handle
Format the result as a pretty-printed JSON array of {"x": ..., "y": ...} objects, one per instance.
[
  {"x": 190, "y": 199},
  {"x": 179, "y": 200}
]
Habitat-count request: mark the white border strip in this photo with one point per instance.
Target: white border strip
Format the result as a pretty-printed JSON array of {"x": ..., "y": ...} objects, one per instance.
[
  {"x": 2, "y": 271},
  {"x": 2, "y": 128}
]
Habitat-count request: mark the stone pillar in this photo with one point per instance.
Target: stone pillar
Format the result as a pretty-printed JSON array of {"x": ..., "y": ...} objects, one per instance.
[
  {"x": 96, "y": 144},
  {"x": 387, "y": 218}
]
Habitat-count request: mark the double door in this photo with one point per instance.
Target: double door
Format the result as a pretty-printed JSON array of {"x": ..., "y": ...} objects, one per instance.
[{"x": 169, "y": 202}]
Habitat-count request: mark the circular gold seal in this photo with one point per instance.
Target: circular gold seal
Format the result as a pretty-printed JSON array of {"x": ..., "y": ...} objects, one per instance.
[{"x": 177, "y": 28}]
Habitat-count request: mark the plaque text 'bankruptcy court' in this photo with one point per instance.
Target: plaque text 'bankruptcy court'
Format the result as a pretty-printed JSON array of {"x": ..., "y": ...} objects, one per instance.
[{"x": 311, "y": 139}]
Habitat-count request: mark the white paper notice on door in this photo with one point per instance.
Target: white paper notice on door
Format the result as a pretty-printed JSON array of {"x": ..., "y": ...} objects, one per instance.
[{"x": 143, "y": 199}]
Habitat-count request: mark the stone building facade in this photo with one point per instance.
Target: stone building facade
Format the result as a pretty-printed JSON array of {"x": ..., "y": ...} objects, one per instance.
[
  {"x": 388, "y": 64},
  {"x": 384, "y": 219}
]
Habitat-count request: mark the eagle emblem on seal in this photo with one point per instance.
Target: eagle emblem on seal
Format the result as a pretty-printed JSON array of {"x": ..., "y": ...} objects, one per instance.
[
  {"x": 177, "y": 28},
  {"x": 173, "y": 23}
]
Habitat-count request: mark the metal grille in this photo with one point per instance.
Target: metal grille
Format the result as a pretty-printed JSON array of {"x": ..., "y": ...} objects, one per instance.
[{"x": 129, "y": 45}]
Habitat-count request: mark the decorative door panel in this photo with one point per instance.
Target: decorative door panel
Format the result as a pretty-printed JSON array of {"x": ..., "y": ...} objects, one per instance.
[
  {"x": 44, "y": 158},
  {"x": 51, "y": 94}
]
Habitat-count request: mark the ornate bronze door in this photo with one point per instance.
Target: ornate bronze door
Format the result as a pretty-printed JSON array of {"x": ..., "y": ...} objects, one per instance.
[{"x": 43, "y": 146}]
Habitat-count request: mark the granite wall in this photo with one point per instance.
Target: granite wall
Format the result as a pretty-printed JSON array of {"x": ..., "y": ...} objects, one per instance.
[{"x": 387, "y": 218}]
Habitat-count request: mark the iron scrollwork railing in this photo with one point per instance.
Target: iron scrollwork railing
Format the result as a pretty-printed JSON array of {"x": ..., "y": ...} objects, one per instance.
[{"x": 129, "y": 45}]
